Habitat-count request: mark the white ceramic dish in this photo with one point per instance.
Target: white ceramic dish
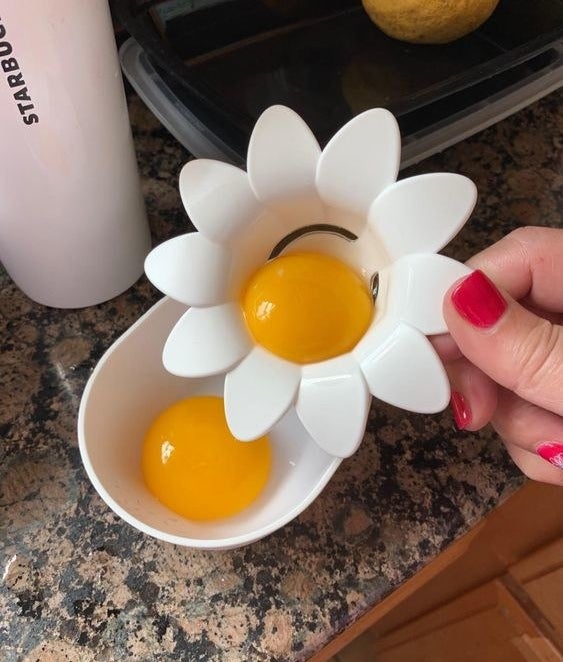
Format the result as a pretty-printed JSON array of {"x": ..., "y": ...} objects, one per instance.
[{"x": 127, "y": 389}]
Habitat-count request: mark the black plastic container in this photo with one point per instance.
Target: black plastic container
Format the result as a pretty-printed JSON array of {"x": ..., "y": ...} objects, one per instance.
[{"x": 229, "y": 60}]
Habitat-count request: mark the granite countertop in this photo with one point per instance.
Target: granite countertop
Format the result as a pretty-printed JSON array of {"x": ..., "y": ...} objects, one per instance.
[{"x": 78, "y": 584}]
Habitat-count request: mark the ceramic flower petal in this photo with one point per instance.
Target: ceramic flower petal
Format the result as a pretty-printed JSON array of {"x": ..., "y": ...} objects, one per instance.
[
  {"x": 282, "y": 156},
  {"x": 190, "y": 269},
  {"x": 360, "y": 161},
  {"x": 416, "y": 289},
  {"x": 218, "y": 199},
  {"x": 402, "y": 368},
  {"x": 333, "y": 404},
  {"x": 422, "y": 214},
  {"x": 206, "y": 341},
  {"x": 258, "y": 392}
]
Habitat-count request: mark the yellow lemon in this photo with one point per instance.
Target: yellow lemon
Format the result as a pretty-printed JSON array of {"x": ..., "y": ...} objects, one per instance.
[{"x": 429, "y": 21}]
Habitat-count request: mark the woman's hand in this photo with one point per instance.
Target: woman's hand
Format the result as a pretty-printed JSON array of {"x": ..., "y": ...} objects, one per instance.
[{"x": 505, "y": 353}]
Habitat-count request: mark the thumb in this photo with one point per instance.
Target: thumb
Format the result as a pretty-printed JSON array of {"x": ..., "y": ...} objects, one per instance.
[{"x": 517, "y": 349}]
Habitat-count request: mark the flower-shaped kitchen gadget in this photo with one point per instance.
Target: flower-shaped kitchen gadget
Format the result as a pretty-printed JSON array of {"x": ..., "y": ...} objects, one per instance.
[{"x": 296, "y": 200}]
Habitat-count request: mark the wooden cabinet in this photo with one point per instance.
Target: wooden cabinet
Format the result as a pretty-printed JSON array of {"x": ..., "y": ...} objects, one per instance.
[
  {"x": 493, "y": 623},
  {"x": 541, "y": 578},
  {"x": 496, "y": 595}
]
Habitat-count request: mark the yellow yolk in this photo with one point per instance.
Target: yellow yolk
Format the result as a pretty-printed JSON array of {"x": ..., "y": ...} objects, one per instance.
[
  {"x": 193, "y": 465},
  {"x": 306, "y": 307}
]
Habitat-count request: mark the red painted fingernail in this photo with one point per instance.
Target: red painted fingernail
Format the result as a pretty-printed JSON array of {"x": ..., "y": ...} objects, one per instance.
[
  {"x": 478, "y": 301},
  {"x": 552, "y": 451},
  {"x": 461, "y": 411}
]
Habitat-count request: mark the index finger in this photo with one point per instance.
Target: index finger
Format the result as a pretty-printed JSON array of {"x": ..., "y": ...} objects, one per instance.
[{"x": 528, "y": 262}]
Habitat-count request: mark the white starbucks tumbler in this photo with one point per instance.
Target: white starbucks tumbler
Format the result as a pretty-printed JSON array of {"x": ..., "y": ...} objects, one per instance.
[{"x": 73, "y": 228}]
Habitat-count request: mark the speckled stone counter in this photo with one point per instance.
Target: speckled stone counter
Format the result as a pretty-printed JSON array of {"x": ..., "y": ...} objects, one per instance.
[{"x": 78, "y": 584}]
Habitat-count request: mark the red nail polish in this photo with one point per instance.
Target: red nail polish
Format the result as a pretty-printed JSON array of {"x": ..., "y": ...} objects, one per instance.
[
  {"x": 478, "y": 301},
  {"x": 552, "y": 451},
  {"x": 461, "y": 411}
]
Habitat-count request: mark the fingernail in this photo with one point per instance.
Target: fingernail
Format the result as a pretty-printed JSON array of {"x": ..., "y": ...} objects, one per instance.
[
  {"x": 478, "y": 301},
  {"x": 460, "y": 409},
  {"x": 552, "y": 451}
]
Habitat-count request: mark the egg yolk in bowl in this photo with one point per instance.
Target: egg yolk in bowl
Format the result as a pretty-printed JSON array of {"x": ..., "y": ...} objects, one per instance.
[{"x": 193, "y": 465}]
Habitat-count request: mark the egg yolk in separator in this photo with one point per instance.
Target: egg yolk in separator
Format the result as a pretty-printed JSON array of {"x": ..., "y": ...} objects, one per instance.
[{"x": 306, "y": 307}]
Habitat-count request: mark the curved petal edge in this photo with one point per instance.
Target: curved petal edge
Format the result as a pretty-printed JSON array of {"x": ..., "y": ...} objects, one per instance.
[
  {"x": 404, "y": 370},
  {"x": 417, "y": 285},
  {"x": 218, "y": 199},
  {"x": 422, "y": 214},
  {"x": 199, "y": 344},
  {"x": 258, "y": 392},
  {"x": 190, "y": 269},
  {"x": 282, "y": 156},
  {"x": 360, "y": 161},
  {"x": 333, "y": 404}
]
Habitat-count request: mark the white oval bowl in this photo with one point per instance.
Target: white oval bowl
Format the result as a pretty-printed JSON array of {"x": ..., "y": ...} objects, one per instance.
[{"x": 128, "y": 388}]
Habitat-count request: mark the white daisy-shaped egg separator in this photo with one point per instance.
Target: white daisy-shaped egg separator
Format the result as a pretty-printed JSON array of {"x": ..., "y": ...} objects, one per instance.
[{"x": 277, "y": 277}]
